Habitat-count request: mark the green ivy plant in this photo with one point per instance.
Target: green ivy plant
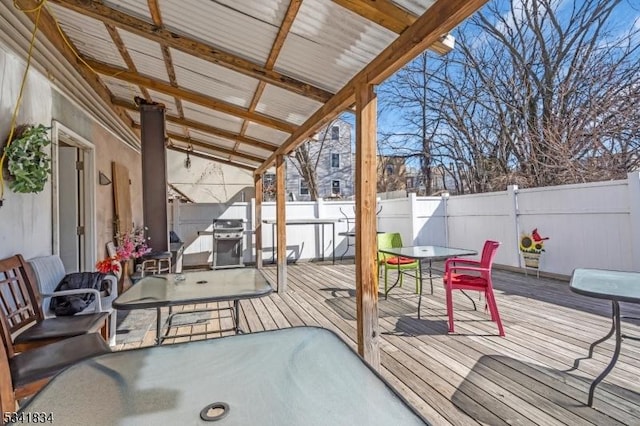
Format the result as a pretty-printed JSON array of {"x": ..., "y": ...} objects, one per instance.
[{"x": 29, "y": 166}]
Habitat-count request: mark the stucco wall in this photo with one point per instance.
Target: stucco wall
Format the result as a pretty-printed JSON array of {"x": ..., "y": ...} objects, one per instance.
[
  {"x": 26, "y": 219},
  {"x": 208, "y": 181},
  {"x": 108, "y": 148}
]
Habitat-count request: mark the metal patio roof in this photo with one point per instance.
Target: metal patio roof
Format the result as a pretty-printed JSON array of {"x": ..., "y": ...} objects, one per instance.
[{"x": 242, "y": 80}]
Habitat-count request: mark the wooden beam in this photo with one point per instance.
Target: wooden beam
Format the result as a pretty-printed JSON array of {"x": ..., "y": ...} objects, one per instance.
[
  {"x": 156, "y": 17},
  {"x": 187, "y": 95},
  {"x": 117, "y": 40},
  {"x": 285, "y": 27},
  {"x": 48, "y": 26},
  {"x": 281, "y": 225},
  {"x": 440, "y": 18},
  {"x": 180, "y": 193},
  {"x": 366, "y": 239},
  {"x": 392, "y": 17},
  {"x": 205, "y": 128},
  {"x": 259, "y": 187},
  {"x": 383, "y": 12},
  {"x": 283, "y": 32},
  {"x": 204, "y": 144},
  {"x": 192, "y": 46},
  {"x": 211, "y": 157}
]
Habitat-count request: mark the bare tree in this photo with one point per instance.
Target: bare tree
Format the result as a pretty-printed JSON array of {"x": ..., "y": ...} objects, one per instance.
[{"x": 537, "y": 92}]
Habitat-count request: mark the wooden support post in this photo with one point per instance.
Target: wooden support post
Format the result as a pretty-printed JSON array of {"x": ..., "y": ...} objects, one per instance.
[
  {"x": 281, "y": 226},
  {"x": 258, "y": 219},
  {"x": 366, "y": 270}
]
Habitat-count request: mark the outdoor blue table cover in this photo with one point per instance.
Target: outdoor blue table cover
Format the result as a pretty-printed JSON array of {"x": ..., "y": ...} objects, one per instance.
[{"x": 296, "y": 376}]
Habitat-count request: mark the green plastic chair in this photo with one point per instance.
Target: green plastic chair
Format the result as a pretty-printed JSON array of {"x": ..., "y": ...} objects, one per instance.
[{"x": 390, "y": 262}]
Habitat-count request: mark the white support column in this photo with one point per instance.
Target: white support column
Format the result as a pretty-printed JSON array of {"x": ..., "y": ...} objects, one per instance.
[
  {"x": 413, "y": 213},
  {"x": 445, "y": 202},
  {"x": 514, "y": 257}
]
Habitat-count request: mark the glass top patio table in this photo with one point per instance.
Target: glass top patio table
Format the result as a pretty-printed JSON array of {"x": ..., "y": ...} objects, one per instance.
[
  {"x": 616, "y": 286},
  {"x": 603, "y": 284},
  {"x": 157, "y": 291},
  {"x": 194, "y": 287},
  {"x": 296, "y": 376},
  {"x": 429, "y": 254}
]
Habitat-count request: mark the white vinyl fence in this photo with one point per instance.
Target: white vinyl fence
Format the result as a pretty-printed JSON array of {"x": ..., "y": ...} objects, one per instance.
[{"x": 592, "y": 225}]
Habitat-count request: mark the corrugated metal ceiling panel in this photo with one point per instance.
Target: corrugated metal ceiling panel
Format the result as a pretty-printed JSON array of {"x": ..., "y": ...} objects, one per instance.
[
  {"x": 328, "y": 45},
  {"x": 213, "y": 80},
  {"x": 88, "y": 35},
  {"x": 132, "y": 7},
  {"x": 245, "y": 161},
  {"x": 121, "y": 89},
  {"x": 214, "y": 140},
  {"x": 285, "y": 105},
  {"x": 254, "y": 151},
  {"x": 146, "y": 55},
  {"x": 175, "y": 128},
  {"x": 167, "y": 100},
  {"x": 261, "y": 132},
  {"x": 417, "y": 7},
  {"x": 211, "y": 117},
  {"x": 135, "y": 116},
  {"x": 247, "y": 30}
]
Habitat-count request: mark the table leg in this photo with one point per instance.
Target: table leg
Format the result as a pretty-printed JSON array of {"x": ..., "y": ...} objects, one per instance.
[
  {"x": 333, "y": 243},
  {"x": 430, "y": 279},
  {"x": 616, "y": 352},
  {"x": 273, "y": 243},
  {"x": 236, "y": 309},
  {"x": 576, "y": 363},
  {"x": 158, "y": 325}
]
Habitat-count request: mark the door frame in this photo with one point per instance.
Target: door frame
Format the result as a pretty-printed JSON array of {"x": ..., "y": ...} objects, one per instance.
[{"x": 60, "y": 132}]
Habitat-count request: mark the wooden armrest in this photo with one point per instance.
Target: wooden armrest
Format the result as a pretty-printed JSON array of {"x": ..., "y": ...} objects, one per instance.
[{"x": 466, "y": 268}]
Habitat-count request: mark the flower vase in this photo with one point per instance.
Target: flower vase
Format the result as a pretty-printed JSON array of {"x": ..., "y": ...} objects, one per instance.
[{"x": 125, "y": 277}]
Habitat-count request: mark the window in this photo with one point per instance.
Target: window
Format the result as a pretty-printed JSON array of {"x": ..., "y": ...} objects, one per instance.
[
  {"x": 335, "y": 161},
  {"x": 304, "y": 187},
  {"x": 389, "y": 170},
  {"x": 335, "y": 187},
  {"x": 335, "y": 132},
  {"x": 410, "y": 182}
]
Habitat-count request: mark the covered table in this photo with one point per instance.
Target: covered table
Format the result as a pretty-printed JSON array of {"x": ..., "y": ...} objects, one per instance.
[{"x": 297, "y": 376}]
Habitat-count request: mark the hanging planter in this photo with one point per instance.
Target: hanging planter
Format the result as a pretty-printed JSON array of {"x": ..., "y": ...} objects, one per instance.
[{"x": 28, "y": 164}]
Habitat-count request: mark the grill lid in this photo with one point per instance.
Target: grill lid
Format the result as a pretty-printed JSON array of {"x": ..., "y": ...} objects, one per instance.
[{"x": 228, "y": 225}]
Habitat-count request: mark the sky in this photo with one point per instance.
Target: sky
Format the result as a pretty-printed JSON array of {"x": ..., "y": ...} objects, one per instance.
[{"x": 626, "y": 15}]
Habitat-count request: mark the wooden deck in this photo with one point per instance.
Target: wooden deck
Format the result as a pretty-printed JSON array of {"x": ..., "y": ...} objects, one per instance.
[{"x": 472, "y": 376}]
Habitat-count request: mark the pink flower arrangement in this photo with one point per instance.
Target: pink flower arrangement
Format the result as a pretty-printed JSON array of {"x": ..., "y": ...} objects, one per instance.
[{"x": 132, "y": 245}]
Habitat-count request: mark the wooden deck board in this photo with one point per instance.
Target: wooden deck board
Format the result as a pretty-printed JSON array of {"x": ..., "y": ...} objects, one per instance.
[{"x": 473, "y": 376}]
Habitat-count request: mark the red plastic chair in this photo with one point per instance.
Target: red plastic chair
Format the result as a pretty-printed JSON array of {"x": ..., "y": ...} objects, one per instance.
[{"x": 479, "y": 280}]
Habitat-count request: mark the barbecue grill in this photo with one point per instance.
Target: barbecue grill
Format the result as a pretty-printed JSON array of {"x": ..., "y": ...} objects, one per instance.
[{"x": 228, "y": 247}]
